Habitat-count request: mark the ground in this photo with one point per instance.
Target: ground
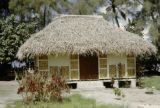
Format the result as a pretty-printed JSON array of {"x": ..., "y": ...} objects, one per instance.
[
  {"x": 8, "y": 92},
  {"x": 134, "y": 98}
]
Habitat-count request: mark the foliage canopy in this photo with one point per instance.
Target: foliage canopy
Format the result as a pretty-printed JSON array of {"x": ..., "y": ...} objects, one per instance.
[{"x": 12, "y": 35}]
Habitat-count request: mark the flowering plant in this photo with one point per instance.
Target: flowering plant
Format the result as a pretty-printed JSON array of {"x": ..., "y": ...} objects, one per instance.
[{"x": 37, "y": 87}]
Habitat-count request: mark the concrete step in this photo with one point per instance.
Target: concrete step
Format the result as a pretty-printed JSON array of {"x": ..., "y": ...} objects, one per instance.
[{"x": 90, "y": 84}]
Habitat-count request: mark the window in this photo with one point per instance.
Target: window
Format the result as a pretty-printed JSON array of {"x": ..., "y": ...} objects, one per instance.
[
  {"x": 103, "y": 73},
  {"x": 43, "y": 57},
  {"x": 65, "y": 72},
  {"x": 131, "y": 66},
  {"x": 103, "y": 63},
  {"x": 131, "y": 72},
  {"x": 102, "y": 66},
  {"x": 42, "y": 63},
  {"x": 74, "y": 67},
  {"x": 103, "y": 55},
  {"x": 54, "y": 70},
  {"x": 130, "y": 62},
  {"x": 62, "y": 71},
  {"x": 74, "y": 74},
  {"x": 117, "y": 70},
  {"x": 74, "y": 64}
]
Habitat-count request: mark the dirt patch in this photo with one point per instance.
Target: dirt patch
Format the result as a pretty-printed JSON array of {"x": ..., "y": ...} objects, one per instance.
[
  {"x": 134, "y": 98},
  {"x": 8, "y": 93}
]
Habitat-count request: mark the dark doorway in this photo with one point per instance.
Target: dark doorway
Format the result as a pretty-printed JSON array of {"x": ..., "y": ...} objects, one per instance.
[{"x": 88, "y": 67}]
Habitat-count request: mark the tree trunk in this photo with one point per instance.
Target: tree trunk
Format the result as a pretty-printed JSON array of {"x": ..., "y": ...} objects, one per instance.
[
  {"x": 114, "y": 11},
  {"x": 44, "y": 16}
]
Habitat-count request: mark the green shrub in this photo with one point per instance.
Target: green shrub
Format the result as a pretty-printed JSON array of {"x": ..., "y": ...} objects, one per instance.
[
  {"x": 118, "y": 92},
  {"x": 150, "y": 82},
  {"x": 38, "y": 87}
]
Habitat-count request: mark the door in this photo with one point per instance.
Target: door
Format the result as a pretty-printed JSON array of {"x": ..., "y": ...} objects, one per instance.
[{"x": 88, "y": 67}]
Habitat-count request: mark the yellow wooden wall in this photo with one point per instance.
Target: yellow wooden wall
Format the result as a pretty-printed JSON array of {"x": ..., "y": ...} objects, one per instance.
[{"x": 109, "y": 66}]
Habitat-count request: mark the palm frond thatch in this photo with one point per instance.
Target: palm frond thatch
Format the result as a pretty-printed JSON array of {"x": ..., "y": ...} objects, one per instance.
[{"x": 83, "y": 34}]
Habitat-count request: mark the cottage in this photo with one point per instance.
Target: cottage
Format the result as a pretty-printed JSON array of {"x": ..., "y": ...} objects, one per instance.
[{"x": 86, "y": 48}]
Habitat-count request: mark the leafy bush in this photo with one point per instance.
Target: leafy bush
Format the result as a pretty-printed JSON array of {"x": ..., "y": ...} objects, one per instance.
[
  {"x": 118, "y": 93},
  {"x": 38, "y": 87},
  {"x": 12, "y": 35}
]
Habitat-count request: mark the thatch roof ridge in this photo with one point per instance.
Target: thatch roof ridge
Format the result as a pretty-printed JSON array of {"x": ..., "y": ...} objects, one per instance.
[{"x": 82, "y": 34}]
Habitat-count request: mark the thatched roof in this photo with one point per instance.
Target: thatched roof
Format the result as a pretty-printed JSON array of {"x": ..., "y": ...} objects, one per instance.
[{"x": 83, "y": 34}]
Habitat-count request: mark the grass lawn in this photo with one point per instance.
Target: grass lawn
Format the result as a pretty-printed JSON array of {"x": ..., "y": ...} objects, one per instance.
[
  {"x": 75, "y": 101},
  {"x": 152, "y": 81}
]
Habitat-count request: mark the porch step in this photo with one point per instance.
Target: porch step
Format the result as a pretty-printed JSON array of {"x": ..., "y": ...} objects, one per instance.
[{"x": 90, "y": 84}]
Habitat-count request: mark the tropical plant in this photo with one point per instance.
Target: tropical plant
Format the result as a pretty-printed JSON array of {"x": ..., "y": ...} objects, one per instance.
[
  {"x": 120, "y": 9},
  {"x": 38, "y": 87},
  {"x": 118, "y": 92}
]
